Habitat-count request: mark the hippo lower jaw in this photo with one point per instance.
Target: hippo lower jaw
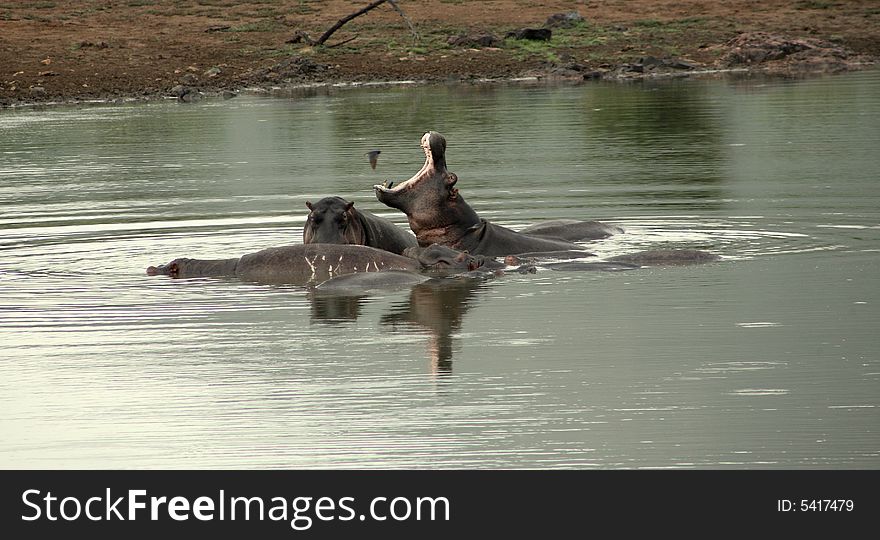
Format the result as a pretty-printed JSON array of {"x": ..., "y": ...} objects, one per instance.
[{"x": 386, "y": 194}]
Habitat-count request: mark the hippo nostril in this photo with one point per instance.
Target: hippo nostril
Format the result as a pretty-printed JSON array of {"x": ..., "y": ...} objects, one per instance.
[{"x": 152, "y": 271}]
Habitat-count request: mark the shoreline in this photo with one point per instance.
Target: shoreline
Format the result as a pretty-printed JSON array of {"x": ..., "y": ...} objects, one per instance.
[
  {"x": 67, "y": 53},
  {"x": 225, "y": 93}
]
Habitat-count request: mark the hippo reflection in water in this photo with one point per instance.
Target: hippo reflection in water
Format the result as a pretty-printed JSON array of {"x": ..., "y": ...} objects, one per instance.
[
  {"x": 438, "y": 213},
  {"x": 333, "y": 220},
  {"x": 436, "y": 307}
]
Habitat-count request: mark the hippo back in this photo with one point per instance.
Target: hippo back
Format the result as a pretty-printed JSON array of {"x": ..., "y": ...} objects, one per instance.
[{"x": 314, "y": 263}]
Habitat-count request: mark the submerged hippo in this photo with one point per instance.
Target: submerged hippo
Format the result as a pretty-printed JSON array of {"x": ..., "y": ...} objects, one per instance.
[
  {"x": 298, "y": 264},
  {"x": 437, "y": 213},
  {"x": 438, "y": 257},
  {"x": 361, "y": 282},
  {"x": 666, "y": 257},
  {"x": 571, "y": 230},
  {"x": 333, "y": 220}
]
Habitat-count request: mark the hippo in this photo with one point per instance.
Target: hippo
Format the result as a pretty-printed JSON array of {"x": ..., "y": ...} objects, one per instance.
[
  {"x": 437, "y": 213},
  {"x": 333, "y": 220},
  {"x": 666, "y": 257},
  {"x": 600, "y": 266},
  {"x": 440, "y": 259},
  {"x": 361, "y": 282},
  {"x": 572, "y": 230},
  {"x": 299, "y": 264},
  {"x": 629, "y": 261},
  {"x": 434, "y": 260}
]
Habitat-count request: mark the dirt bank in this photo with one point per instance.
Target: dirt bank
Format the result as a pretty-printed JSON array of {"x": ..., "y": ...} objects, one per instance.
[{"x": 68, "y": 51}]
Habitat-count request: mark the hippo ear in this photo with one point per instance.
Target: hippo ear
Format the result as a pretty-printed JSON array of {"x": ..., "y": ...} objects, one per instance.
[
  {"x": 309, "y": 206},
  {"x": 349, "y": 206}
]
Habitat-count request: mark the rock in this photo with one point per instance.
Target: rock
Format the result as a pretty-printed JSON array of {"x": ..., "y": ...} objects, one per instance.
[
  {"x": 592, "y": 75},
  {"x": 189, "y": 79},
  {"x": 186, "y": 94},
  {"x": 782, "y": 54},
  {"x": 301, "y": 36},
  {"x": 534, "y": 34},
  {"x": 476, "y": 39},
  {"x": 758, "y": 47},
  {"x": 296, "y": 67},
  {"x": 191, "y": 97},
  {"x": 564, "y": 20},
  {"x": 678, "y": 63},
  {"x": 38, "y": 91},
  {"x": 212, "y": 72},
  {"x": 98, "y": 45},
  {"x": 565, "y": 72},
  {"x": 228, "y": 94},
  {"x": 650, "y": 61}
]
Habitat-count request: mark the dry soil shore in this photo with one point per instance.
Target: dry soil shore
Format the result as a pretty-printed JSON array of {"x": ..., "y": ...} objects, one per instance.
[{"x": 65, "y": 51}]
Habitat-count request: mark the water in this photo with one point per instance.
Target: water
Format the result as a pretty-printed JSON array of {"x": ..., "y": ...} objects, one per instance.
[{"x": 766, "y": 359}]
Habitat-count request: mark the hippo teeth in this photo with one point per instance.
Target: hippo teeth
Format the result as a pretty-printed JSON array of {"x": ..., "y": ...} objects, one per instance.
[{"x": 388, "y": 184}]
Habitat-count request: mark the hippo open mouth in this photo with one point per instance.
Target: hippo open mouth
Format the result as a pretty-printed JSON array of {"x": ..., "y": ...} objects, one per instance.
[{"x": 434, "y": 146}]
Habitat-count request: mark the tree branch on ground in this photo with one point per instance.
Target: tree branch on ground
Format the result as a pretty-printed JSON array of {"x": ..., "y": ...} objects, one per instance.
[{"x": 302, "y": 36}]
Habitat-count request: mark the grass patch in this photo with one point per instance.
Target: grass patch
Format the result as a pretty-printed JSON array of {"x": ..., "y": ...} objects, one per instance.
[
  {"x": 287, "y": 50},
  {"x": 303, "y": 8},
  {"x": 524, "y": 48}
]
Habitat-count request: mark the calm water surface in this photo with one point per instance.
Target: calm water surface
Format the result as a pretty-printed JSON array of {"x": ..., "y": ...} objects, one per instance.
[{"x": 770, "y": 358}]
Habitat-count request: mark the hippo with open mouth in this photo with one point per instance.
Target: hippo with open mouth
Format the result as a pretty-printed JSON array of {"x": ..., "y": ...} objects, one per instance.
[
  {"x": 333, "y": 220},
  {"x": 437, "y": 213}
]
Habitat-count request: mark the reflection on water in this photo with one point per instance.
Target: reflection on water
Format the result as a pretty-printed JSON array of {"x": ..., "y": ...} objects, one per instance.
[
  {"x": 767, "y": 359},
  {"x": 437, "y": 307}
]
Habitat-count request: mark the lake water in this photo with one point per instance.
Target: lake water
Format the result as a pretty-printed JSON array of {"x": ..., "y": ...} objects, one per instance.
[{"x": 768, "y": 359}]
